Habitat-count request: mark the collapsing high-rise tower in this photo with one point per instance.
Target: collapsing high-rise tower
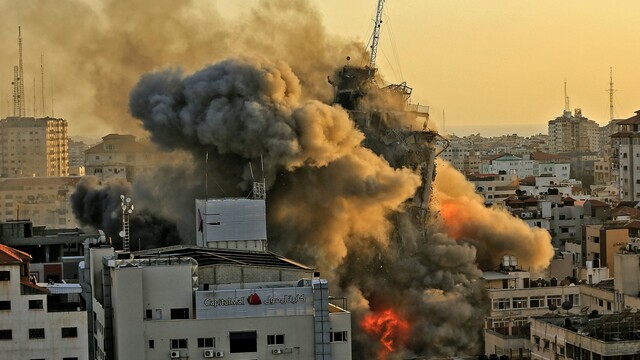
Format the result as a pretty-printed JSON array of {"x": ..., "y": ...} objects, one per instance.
[{"x": 386, "y": 115}]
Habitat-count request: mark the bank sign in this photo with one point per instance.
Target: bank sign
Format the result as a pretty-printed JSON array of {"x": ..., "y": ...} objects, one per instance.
[{"x": 254, "y": 302}]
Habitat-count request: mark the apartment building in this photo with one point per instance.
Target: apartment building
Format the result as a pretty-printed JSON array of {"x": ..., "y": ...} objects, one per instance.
[
  {"x": 38, "y": 321},
  {"x": 516, "y": 297},
  {"x": 495, "y": 188},
  {"x": 33, "y": 147},
  {"x": 626, "y": 157},
  {"x": 43, "y": 200},
  {"x": 119, "y": 156},
  {"x": 573, "y": 133}
]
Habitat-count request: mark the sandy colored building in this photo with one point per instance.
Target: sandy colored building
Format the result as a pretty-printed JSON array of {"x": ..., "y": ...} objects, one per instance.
[
  {"x": 33, "y": 147},
  {"x": 43, "y": 200}
]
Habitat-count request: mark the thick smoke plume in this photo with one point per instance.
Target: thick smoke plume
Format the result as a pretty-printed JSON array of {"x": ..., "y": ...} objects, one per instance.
[
  {"x": 94, "y": 51},
  {"x": 492, "y": 231},
  {"x": 254, "y": 90}
]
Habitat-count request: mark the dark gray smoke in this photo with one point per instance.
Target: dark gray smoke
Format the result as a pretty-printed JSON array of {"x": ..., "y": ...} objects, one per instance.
[
  {"x": 332, "y": 202},
  {"x": 99, "y": 206}
]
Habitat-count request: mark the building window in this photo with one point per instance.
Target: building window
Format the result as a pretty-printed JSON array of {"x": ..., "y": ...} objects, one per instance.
[
  {"x": 69, "y": 332},
  {"x": 520, "y": 302},
  {"x": 6, "y": 334},
  {"x": 182, "y": 313},
  {"x": 5, "y": 305},
  {"x": 338, "y": 336},
  {"x": 243, "y": 341},
  {"x": 35, "y": 304},
  {"x": 148, "y": 314},
  {"x": 158, "y": 314},
  {"x": 554, "y": 300},
  {"x": 151, "y": 344},
  {"x": 501, "y": 304},
  {"x": 179, "y": 344},
  {"x": 36, "y": 333},
  {"x": 275, "y": 339},
  {"x": 596, "y": 239},
  {"x": 5, "y": 275},
  {"x": 206, "y": 342}
]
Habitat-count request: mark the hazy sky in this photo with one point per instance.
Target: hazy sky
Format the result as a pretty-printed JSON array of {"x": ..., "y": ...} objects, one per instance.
[
  {"x": 494, "y": 66},
  {"x": 503, "y": 62}
]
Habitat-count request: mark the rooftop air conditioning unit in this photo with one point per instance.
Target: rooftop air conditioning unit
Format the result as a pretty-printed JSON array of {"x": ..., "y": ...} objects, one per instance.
[
  {"x": 209, "y": 353},
  {"x": 174, "y": 354},
  {"x": 219, "y": 354},
  {"x": 277, "y": 351}
]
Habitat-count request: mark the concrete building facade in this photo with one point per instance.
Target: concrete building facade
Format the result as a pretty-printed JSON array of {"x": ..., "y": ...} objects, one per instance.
[
  {"x": 119, "y": 156},
  {"x": 33, "y": 147},
  {"x": 44, "y": 201},
  {"x": 573, "y": 133},
  {"x": 36, "y": 320}
]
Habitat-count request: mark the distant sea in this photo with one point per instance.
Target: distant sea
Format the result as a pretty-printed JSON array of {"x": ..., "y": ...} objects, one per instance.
[{"x": 497, "y": 130}]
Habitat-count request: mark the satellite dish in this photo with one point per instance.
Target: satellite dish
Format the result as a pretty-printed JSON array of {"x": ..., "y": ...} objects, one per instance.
[
  {"x": 121, "y": 197},
  {"x": 553, "y": 307},
  {"x": 128, "y": 200},
  {"x": 121, "y": 233},
  {"x": 567, "y": 305}
]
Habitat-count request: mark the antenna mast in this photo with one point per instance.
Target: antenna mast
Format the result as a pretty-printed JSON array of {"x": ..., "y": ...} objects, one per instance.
[
  {"x": 42, "y": 80},
  {"x": 22, "y": 111},
  {"x": 611, "y": 91},
  {"x": 566, "y": 98},
  {"x": 375, "y": 37},
  {"x": 16, "y": 97}
]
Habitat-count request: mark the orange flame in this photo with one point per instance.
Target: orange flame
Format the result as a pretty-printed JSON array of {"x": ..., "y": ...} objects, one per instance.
[
  {"x": 389, "y": 328},
  {"x": 454, "y": 217}
]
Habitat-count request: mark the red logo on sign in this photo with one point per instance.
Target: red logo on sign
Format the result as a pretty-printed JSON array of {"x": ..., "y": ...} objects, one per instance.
[{"x": 254, "y": 299}]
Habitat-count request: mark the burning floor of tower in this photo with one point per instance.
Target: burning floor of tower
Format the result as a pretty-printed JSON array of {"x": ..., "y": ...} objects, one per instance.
[{"x": 352, "y": 189}]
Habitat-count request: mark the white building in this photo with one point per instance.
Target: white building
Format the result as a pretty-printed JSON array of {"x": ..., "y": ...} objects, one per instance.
[
  {"x": 38, "y": 321},
  {"x": 516, "y": 297},
  {"x": 231, "y": 300},
  {"x": 627, "y": 157},
  {"x": 495, "y": 188}
]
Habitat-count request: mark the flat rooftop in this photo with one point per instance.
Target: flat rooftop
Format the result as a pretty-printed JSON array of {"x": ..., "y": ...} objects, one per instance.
[{"x": 206, "y": 257}]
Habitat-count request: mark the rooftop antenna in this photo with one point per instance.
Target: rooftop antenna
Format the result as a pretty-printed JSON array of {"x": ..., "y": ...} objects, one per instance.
[
  {"x": 21, "y": 100},
  {"x": 566, "y": 98},
  {"x": 206, "y": 175},
  {"x": 375, "y": 37},
  {"x": 611, "y": 91},
  {"x": 16, "y": 101},
  {"x": 34, "y": 98},
  {"x": 444, "y": 131},
  {"x": 42, "y": 81},
  {"x": 127, "y": 209}
]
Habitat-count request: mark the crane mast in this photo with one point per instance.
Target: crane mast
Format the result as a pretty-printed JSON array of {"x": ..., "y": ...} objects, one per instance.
[{"x": 375, "y": 37}]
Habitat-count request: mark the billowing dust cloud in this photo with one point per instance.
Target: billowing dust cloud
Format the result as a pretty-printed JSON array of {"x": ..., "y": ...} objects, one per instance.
[
  {"x": 492, "y": 231},
  {"x": 94, "y": 51},
  {"x": 254, "y": 89}
]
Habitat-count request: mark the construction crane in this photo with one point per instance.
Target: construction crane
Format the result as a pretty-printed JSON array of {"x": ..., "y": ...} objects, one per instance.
[{"x": 375, "y": 36}]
